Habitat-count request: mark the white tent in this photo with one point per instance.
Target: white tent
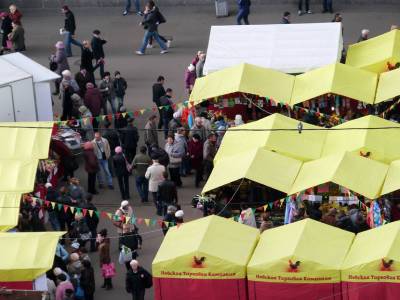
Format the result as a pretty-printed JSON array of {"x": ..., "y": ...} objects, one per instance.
[
  {"x": 42, "y": 77},
  {"x": 290, "y": 48}
]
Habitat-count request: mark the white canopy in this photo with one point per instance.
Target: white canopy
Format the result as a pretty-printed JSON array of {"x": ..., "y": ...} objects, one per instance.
[
  {"x": 39, "y": 72},
  {"x": 10, "y": 73},
  {"x": 290, "y": 48}
]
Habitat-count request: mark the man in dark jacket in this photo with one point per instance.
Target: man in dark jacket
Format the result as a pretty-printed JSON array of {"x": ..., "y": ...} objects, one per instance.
[
  {"x": 150, "y": 23},
  {"x": 6, "y": 29},
  {"x": 120, "y": 87},
  {"x": 122, "y": 173},
  {"x": 98, "y": 51},
  {"x": 69, "y": 30},
  {"x": 167, "y": 194},
  {"x": 91, "y": 220},
  {"x": 87, "y": 60},
  {"x": 137, "y": 280},
  {"x": 167, "y": 112},
  {"x": 158, "y": 92},
  {"x": 130, "y": 141},
  {"x": 244, "y": 11}
]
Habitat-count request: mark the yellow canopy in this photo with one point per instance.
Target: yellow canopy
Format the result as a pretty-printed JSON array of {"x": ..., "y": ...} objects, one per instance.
[
  {"x": 222, "y": 249},
  {"x": 392, "y": 182},
  {"x": 26, "y": 256},
  {"x": 17, "y": 175},
  {"x": 262, "y": 166},
  {"x": 319, "y": 248},
  {"x": 25, "y": 140},
  {"x": 9, "y": 210},
  {"x": 289, "y": 143},
  {"x": 383, "y": 144},
  {"x": 364, "y": 262},
  {"x": 373, "y": 54},
  {"x": 337, "y": 79},
  {"x": 244, "y": 78},
  {"x": 359, "y": 174},
  {"x": 388, "y": 86}
]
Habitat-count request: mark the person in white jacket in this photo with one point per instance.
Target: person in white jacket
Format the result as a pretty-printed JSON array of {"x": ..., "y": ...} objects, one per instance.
[{"x": 154, "y": 175}]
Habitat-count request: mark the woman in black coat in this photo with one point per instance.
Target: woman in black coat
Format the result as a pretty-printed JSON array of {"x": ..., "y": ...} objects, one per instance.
[
  {"x": 87, "y": 280},
  {"x": 87, "y": 60},
  {"x": 6, "y": 28}
]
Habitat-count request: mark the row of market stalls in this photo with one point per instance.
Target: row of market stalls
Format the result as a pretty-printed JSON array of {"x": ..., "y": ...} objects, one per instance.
[
  {"x": 218, "y": 258},
  {"x": 362, "y": 155},
  {"x": 25, "y": 257}
]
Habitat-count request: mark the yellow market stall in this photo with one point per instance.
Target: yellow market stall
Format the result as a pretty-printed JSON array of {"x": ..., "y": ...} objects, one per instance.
[
  {"x": 374, "y": 54},
  {"x": 388, "y": 86},
  {"x": 371, "y": 269},
  {"x": 25, "y": 257},
  {"x": 301, "y": 260},
  {"x": 204, "y": 259},
  {"x": 337, "y": 79}
]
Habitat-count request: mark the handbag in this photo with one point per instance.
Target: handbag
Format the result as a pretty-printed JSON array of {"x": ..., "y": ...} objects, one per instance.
[
  {"x": 9, "y": 44},
  {"x": 108, "y": 270},
  {"x": 53, "y": 66},
  {"x": 175, "y": 160},
  {"x": 125, "y": 255},
  {"x": 85, "y": 236}
]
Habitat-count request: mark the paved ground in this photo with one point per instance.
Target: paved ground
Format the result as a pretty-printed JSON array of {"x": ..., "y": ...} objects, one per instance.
[{"x": 190, "y": 28}]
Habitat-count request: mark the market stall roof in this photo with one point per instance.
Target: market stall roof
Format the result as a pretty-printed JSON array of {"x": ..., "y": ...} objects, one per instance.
[
  {"x": 25, "y": 140},
  {"x": 338, "y": 79},
  {"x": 289, "y": 48},
  {"x": 10, "y": 73},
  {"x": 225, "y": 246},
  {"x": 367, "y": 252},
  {"x": 392, "y": 181},
  {"x": 320, "y": 250},
  {"x": 359, "y": 174},
  {"x": 9, "y": 210},
  {"x": 26, "y": 256},
  {"x": 244, "y": 78},
  {"x": 39, "y": 72},
  {"x": 374, "y": 54},
  {"x": 259, "y": 165},
  {"x": 17, "y": 175},
  {"x": 388, "y": 86},
  {"x": 383, "y": 144},
  {"x": 280, "y": 136}
]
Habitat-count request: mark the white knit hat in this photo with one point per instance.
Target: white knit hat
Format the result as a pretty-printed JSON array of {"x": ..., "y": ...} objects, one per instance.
[{"x": 179, "y": 214}]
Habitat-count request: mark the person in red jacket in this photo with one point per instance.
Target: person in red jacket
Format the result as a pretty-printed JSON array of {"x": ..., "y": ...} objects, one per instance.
[
  {"x": 91, "y": 166},
  {"x": 94, "y": 102},
  {"x": 195, "y": 149},
  {"x": 15, "y": 15}
]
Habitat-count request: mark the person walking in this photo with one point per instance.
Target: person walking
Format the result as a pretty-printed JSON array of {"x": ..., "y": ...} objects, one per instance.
[
  {"x": 169, "y": 219},
  {"x": 363, "y": 36},
  {"x": 286, "y": 18},
  {"x": 6, "y": 29},
  {"x": 128, "y": 4},
  {"x": 158, "y": 92},
  {"x": 106, "y": 88},
  {"x": 120, "y": 87},
  {"x": 150, "y": 133},
  {"x": 150, "y": 24},
  {"x": 91, "y": 166},
  {"x": 198, "y": 127},
  {"x": 131, "y": 239},
  {"x": 69, "y": 30},
  {"x": 195, "y": 149},
  {"x": 167, "y": 195},
  {"x": 122, "y": 168},
  {"x": 87, "y": 61},
  {"x": 112, "y": 136},
  {"x": 137, "y": 281},
  {"x": 102, "y": 151},
  {"x": 176, "y": 151},
  {"x": 17, "y": 37},
  {"x": 92, "y": 221},
  {"x": 93, "y": 101},
  {"x": 307, "y": 7},
  {"x": 130, "y": 140},
  {"x": 327, "y": 6},
  {"x": 190, "y": 78},
  {"x": 106, "y": 265},
  {"x": 244, "y": 11},
  {"x": 154, "y": 174},
  {"x": 15, "y": 14},
  {"x": 87, "y": 280},
  {"x": 209, "y": 152},
  {"x": 97, "y": 44},
  {"x": 122, "y": 213},
  {"x": 139, "y": 166},
  {"x": 60, "y": 59},
  {"x": 167, "y": 112}
]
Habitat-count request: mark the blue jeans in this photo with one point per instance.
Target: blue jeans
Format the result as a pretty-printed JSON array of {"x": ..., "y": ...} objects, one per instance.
[
  {"x": 327, "y": 5},
  {"x": 146, "y": 38},
  {"x": 68, "y": 40},
  {"x": 243, "y": 13},
  {"x": 128, "y": 4},
  {"x": 104, "y": 166},
  {"x": 142, "y": 185}
]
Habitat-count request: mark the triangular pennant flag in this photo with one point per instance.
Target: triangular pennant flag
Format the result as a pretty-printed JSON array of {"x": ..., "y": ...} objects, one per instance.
[
  {"x": 72, "y": 209},
  {"x": 133, "y": 220},
  {"x": 65, "y": 208},
  {"x": 78, "y": 210},
  {"x": 118, "y": 115},
  {"x": 103, "y": 117},
  {"x": 90, "y": 213},
  {"x": 153, "y": 222},
  {"x": 136, "y": 114},
  {"x": 98, "y": 119},
  {"x": 271, "y": 205},
  {"x": 104, "y": 214},
  {"x": 160, "y": 222},
  {"x": 130, "y": 114},
  {"x": 265, "y": 207},
  {"x": 110, "y": 215},
  {"x": 139, "y": 221},
  {"x": 166, "y": 224},
  {"x": 110, "y": 118},
  {"x": 84, "y": 211},
  {"x": 97, "y": 213},
  {"x": 147, "y": 222},
  {"x": 47, "y": 203},
  {"x": 154, "y": 109},
  {"x": 53, "y": 204},
  {"x": 142, "y": 111},
  {"x": 124, "y": 114},
  {"x": 127, "y": 219},
  {"x": 253, "y": 210}
]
